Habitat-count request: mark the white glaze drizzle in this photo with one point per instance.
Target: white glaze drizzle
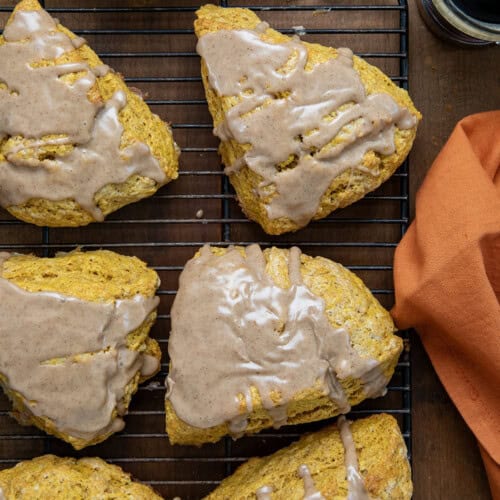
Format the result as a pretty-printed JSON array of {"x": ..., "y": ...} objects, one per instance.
[
  {"x": 37, "y": 103},
  {"x": 68, "y": 358},
  {"x": 356, "y": 485},
  {"x": 285, "y": 110},
  {"x": 310, "y": 491},
  {"x": 260, "y": 335}
]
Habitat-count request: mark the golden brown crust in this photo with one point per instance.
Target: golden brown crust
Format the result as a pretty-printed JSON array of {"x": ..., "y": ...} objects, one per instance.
[
  {"x": 99, "y": 276},
  {"x": 348, "y": 301},
  {"x": 345, "y": 189},
  {"x": 382, "y": 459},
  {"x": 140, "y": 125},
  {"x": 71, "y": 479}
]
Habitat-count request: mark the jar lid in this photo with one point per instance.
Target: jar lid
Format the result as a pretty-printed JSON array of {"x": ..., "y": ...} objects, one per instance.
[{"x": 448, "y": 20}]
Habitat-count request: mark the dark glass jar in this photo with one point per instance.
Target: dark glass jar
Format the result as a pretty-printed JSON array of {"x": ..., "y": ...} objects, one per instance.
[{"x": 466, "y": 22}]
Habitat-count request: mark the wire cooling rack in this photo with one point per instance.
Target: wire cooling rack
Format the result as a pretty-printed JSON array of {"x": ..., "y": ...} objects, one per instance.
[{"x": 152, "y": 43}]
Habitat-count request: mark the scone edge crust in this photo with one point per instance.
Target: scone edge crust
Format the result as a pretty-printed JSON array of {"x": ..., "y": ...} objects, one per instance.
[{"x": 348, "y": 187}]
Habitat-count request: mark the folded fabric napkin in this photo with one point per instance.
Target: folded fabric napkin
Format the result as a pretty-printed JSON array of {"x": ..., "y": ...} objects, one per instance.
[{"x": 447, "y": 277}]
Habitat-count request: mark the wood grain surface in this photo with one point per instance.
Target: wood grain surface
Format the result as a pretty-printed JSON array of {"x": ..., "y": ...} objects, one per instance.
[{"x": 446, "y": 84}]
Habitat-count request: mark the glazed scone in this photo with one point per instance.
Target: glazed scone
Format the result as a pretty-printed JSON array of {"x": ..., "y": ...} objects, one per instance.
[
  {"x": 305, "y": 129},
  {"x": 276, "y": 337},
  {"x": 79, "y": 144},
  {"x": 74, "y": 340},
  {"x": 68, "y": 478},
  {"x": 382, "y": 469}
]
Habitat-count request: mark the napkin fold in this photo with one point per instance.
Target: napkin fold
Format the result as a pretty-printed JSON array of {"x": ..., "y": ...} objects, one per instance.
[{"x": 447, "y": 277}]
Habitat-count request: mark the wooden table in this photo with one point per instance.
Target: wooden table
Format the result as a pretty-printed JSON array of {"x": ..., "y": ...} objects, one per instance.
[{"x": 446, "y": 84}]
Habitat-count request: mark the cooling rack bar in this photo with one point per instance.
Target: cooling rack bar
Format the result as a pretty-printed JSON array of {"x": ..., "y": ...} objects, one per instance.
[
  {"x": 405, "y": 211},
  {"x": 162, "y": 389},
  {"x": 286, "y": 31},
  {"x": 382, "y": 55},
  {"x": 179, "y": 79},
  {"x": 154, "y": 10},
  {"x": 164, "y": 232},
  {"x": 161, "y": 412},
  {"x": 229, "y": 221},
  {"x": 391, "y": 411},
  {"x": 400, "y": 365},
  {"x": 220, "y": 172},
  {"x": 231, "y": 196},
  {"x": 165, "y": 244},
  {"x": 375, "y": 291},
  {"x": 352, "y": 268}
]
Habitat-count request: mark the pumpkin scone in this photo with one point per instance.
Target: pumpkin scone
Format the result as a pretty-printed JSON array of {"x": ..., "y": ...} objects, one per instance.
[
  {"x": 305, "y": 129},
  {"x": 363, "y": 460},
  {"x": 69, "y": 478},
  {"x": 75, "y": 142},
  {"x": 74, "y": 340},
  {"x": 269, "y": 338}
]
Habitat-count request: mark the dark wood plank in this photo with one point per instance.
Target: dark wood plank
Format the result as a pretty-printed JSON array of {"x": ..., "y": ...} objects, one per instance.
[
  {"x": 447, "y": 83},
  {"x": 446, "y": 460}
]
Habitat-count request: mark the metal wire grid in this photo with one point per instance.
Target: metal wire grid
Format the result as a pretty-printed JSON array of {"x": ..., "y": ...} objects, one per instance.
[{"x": 170, "y": 236}]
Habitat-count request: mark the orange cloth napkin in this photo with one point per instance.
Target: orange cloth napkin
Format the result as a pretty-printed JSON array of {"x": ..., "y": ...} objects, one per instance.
[{"x": 447, "y": 277}]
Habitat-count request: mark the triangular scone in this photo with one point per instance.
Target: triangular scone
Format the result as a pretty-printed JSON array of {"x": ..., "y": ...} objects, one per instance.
[
  {"x": 305, "y": 128},
  {"x": 78, "y": 143},
  {"x": 58, "y": 478},
  {"x": 74, "y": 340},
  {"x": 281, "y": 338},
  {"x": 320, "y": 463}
]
